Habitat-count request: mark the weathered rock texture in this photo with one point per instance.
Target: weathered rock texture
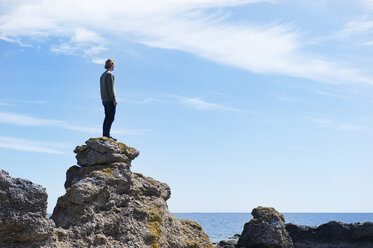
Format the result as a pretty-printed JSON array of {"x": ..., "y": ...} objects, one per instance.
[
  {"x": 266, "y": 230},
  {"x": 23, "y": 209},
  {"x": 332, "y": 235},
  {"x": 106, "y": 205}
]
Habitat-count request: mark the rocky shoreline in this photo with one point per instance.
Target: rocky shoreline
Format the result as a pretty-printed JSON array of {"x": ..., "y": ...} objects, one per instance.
[
  {"x": 267, "y": 229},
  {"x": 108, "y": 205}
]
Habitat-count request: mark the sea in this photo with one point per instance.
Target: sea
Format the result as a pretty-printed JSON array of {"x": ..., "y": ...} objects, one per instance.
[{"x": 222, "y": 226}]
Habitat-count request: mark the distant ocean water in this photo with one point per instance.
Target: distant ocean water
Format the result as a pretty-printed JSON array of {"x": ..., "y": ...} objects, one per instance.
[{"x": 220, "y": 226}]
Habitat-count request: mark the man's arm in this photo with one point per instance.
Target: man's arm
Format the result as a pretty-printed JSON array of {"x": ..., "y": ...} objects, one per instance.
[{"x": 111, "y": 89}]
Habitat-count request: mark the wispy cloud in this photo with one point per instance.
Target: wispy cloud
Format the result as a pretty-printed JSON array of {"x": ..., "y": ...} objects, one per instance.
[
  {"x": 26, "y": 120},
  {"x": 201, "y": 104},
  {"x": 20, "y": 43},
  {"x": 360, "y": 25},
  {"x": 140, "y": 99},
  {"x": 11, "y": 102},
  {"x": 197, "y": 103},
  {"x": 327, "y": 123},
  {"x": 185, "y": 25},
  {"x": 367, "y": 3},
  {"x": 360, "y": 28},
  {"x": 99, "y": 61},
  {"x": 282, "y": 98},
  {"x": 323, "y": 93},
  {"x": 31, "y": 146}
]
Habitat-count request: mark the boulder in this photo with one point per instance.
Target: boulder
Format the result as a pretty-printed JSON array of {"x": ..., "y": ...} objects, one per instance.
[
  {"x": 23, "y": 209},
  {"x": 266, "y": 230}
]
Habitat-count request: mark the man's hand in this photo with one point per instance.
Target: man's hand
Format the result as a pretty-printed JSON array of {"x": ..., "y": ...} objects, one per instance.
[{"x": 115, "y": 103}]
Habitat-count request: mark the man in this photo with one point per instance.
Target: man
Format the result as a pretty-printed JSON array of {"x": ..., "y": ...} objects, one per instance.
[{"x": 108, "y": 96}]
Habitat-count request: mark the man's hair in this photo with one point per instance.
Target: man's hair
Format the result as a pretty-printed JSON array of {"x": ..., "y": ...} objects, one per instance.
[{"x": 109, "y": 63}]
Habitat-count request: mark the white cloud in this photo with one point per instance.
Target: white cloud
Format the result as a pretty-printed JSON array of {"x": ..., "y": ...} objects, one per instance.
[
  {"x": 184, "y": 25},
  {"x": 282, "y": 98},
  {"x": 368, "y": 43},
  {"x": 359, "y": 25},
  {"x": 368, "y": 3},
  {"x": 194, "y": 102},
  {"x": 360, "y": 28},
  {"x": 326, "y": 123},
  {"x": 200, "y": 104},
  {"x": 64, "y": 48},
  {"x": 20, "y": 43},
  {"x": 26, "y": 120},
  {"x": 31, "y": 146},
  {"x": 323, "y": 93},
  {"x": 99, "y": 61},
  {"x": 94, "y": 50},
  {"x": 82, "y": 35}
]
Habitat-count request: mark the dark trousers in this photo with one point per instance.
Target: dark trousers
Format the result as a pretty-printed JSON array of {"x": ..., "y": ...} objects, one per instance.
[{"x": 109, "y": 117}]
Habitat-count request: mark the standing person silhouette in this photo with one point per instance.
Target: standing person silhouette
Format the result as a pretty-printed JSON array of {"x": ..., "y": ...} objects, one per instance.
[{"x": 109, "y": 101}]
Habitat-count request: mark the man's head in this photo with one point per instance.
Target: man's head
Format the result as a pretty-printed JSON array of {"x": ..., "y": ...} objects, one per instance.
[{"x": 109, "y": 64}]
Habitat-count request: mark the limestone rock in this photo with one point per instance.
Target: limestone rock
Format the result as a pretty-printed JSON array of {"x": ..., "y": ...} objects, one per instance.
[
  {"x": 107, "y": 205},
  {"x": 266, "y": 230},
  {"x": 23, "y": 207}
]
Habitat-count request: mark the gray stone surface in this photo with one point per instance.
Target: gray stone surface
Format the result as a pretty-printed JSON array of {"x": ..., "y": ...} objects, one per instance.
[
  {"x": 101, "y": 151},
  {"x": 266, "y": 230},
  {"x": 23, "y": 206},
  {"x": 107, "y": 205}
]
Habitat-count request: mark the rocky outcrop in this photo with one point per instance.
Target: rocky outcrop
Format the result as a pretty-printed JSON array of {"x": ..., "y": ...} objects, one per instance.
[
  {"x": 107, "y": 205},
  {"x": 332, "y": 235},
  {"x": 23, "y": 209},
  {"x": 266, "y": 230}
]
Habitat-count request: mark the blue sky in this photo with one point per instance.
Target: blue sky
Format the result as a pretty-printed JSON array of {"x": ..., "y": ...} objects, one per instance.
[{"x": 234, "y": 104}]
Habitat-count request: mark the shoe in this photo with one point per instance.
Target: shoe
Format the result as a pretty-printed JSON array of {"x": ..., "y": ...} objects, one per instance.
[{"x": 110, "y": 138}]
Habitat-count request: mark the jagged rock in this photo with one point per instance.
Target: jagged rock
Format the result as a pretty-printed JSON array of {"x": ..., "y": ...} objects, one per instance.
[
  {"x": 266, "y": 230},
  {"x": 23, "y": 207},
  {"x": 332, "y": 234},
  {"x": 106, "y": 205}
]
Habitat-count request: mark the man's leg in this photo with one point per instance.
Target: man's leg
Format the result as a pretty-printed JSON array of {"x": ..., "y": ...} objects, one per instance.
[{"x": 109, "y": 117}]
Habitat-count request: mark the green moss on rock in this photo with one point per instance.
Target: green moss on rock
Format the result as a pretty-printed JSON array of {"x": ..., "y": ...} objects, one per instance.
[
  {"x": 82, "y": 149},
  {"x": 107, "y": 171}
]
